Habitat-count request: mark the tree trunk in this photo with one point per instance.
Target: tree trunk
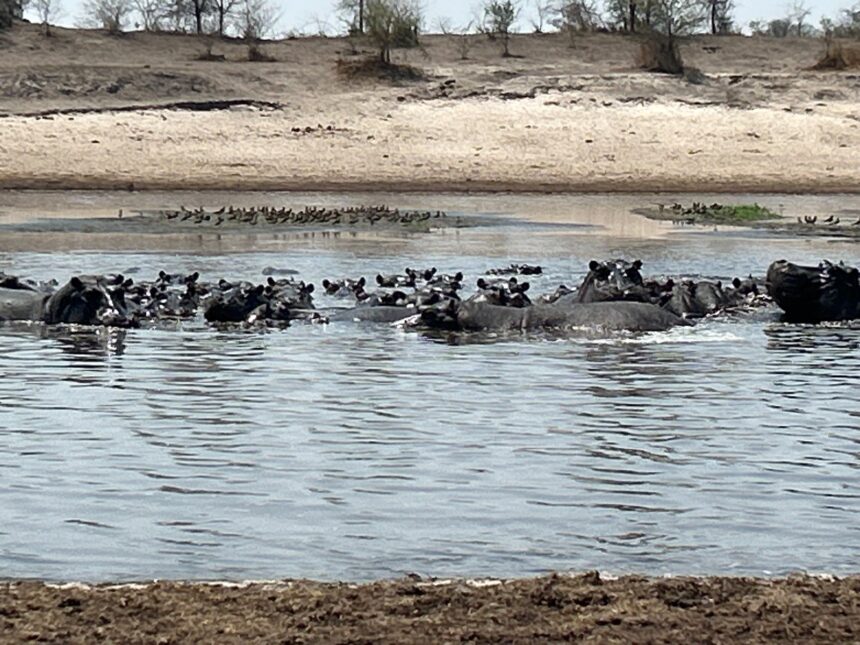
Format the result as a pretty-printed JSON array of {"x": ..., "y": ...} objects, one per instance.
[
  {"x": 713, "y": 16},
  {"x": 632, "y": 6},
  {"x": 361, "y": 16}
]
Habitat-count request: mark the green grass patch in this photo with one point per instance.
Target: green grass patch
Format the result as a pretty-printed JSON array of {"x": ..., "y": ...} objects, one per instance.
[
  {"x": 698, "y": 213},
  {"x": 742, "y": 213}
]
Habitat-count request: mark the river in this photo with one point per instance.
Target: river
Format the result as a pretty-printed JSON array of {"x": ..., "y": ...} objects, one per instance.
[{"x": 356, "y": 451}]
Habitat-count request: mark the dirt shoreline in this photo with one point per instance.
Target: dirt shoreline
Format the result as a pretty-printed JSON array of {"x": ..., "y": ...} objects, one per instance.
[
  {"x": 83, "y": 110},
  {"x": 555, "y": 608},
  {"x": 680, "y": 186}
]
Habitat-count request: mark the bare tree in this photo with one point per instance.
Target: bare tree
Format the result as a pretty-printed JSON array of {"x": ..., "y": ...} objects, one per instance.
[
  {"x": 798, "y": 13},
  {"x": 461, "y": 35},
  {"x": 199, "y": 9},
  {"x": 353, "y": 13},
  {"x": 720, "y": 15},
  {"x": 499, "y": 17},
  {"x": 47, "y": 11},
  {"x": 256, "y": 20},
  {"x": 152, "y": 13},
  {"x": 392, "y": 23},
  {"x": 543, "y": 10},
  {"x": 110, "y": 15},
  {"x": 673, "y": 18},
  {"x": 224, "y": 10},
  {"x": 573, "y": 16}
]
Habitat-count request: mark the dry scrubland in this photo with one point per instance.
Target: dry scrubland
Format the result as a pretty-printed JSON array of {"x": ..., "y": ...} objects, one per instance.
[{"x": 559, "y": 118}]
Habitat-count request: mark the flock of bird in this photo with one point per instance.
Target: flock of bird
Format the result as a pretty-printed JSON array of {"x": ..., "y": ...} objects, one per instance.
[
  {"x": 350, "y": 215},
  {"x": 831, "y": 221}
]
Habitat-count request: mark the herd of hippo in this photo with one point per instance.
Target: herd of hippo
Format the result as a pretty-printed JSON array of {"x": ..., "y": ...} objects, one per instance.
[{"x": 613, "y": 296}]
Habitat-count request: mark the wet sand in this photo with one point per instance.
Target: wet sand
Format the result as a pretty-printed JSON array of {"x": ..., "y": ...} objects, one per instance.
[{"x": 547, "y": 609}]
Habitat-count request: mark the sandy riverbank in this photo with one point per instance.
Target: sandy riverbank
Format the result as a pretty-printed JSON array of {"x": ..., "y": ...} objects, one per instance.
[
  {"x": 560, "y": 118},
  {"x": 546, "y": 609}
]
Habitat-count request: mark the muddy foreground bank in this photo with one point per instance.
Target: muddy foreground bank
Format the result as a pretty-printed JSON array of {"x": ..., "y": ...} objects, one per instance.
[{"x": 553, "y": 608}]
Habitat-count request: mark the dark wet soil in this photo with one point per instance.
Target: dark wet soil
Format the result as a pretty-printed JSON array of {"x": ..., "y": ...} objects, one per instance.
[{"x": 548, "y": 609}]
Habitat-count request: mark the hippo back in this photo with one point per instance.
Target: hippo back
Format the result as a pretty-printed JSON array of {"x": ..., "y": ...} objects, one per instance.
[{"x": 813, "y": 294}]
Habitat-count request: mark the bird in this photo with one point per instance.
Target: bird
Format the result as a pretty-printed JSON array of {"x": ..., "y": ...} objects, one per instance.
[{"x": 828, "y": 220}]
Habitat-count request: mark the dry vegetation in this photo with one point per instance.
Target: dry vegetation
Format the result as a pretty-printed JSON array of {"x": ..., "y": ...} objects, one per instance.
[{"x": 576, "y": 118}]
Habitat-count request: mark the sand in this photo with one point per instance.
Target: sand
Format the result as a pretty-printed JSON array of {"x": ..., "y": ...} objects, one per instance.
[{"x": 558, "y": 119}]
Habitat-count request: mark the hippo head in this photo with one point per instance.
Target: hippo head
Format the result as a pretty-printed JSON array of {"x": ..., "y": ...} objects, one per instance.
[
  {"x": 88, "y": 300},
  {"x": 609, "y": 280},
  {"x": 442, "y": 314}
]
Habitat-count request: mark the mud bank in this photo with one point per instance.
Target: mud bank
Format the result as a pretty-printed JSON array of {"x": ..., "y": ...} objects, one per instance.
[{"x": 552, "y": 608}]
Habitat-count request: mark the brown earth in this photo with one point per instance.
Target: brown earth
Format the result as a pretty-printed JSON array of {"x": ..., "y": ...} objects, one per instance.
[
  {"x": 83, "y": 109},
  {"x": 548, "y": 609}
]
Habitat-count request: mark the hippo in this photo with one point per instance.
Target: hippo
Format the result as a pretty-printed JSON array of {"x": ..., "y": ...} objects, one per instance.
[
  {"x": 277, "y": 300},
  {"x": 84, "y": 300},
  {"x": 605, "y": 316},
  {"x": 346, "y": 288},
  {"x": 814, "y": 294},
  {"x": 613, "y": 280},
  {"x": 375, "y": 314},
  {"x": 505, "y": 293}
]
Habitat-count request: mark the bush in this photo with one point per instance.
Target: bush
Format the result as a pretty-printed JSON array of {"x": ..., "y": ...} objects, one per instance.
[
  {"x": 374, "y": 68},
  {"x": 660, "y": 54},
  {"x": 10, "y": 10},
  {"x": 391, "y": 24},
  {"x": 838, "y": 56}
]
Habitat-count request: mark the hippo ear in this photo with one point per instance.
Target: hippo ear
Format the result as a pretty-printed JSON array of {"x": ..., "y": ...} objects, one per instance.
[
  {"x": 325, "y": 283},
  {"x": 524, "y": 287},
  {"x": 593, "y": 265},
  {"x": 482, "y": 284},
  {"x": 76, "y": 283},
  {"x": 194, "y": 277},
  {"x": 512, "y": 281},
  {"x": 362, "y": 281},
  {"x": 380, "y": 279},
  {"x": 258, "y": 290},
  {"x": 736, "y": 283},
  {"x": 118, "y": 279},
  {"x": 270, "y": 281},
  {"x": 637, "y": 264},
  {"x": 162, "y": 275},
  {"x": 458, "y": 277},
  {"x": 719, "y": 284},
  {"x": 309, "y": 288},
  {"x": 128, "y": 284}
]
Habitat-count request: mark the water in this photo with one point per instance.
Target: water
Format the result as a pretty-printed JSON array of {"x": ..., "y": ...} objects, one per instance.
[{"x": 358, "y": 451}]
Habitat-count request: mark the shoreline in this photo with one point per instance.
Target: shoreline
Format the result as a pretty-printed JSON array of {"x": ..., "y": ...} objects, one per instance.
[
  {"x": 359, "y": 186},
  {"x": 556, "y": 607}
]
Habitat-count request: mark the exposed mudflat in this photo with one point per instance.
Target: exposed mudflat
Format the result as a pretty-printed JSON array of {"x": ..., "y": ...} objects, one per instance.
[{"x": 545, "y": 609}]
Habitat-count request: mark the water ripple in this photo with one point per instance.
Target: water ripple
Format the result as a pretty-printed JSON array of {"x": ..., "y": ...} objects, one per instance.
[{"x": 360, "y": 451}]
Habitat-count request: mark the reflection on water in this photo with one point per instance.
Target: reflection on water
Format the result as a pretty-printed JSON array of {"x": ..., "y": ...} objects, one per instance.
[{"x": 356, "y": 451}]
